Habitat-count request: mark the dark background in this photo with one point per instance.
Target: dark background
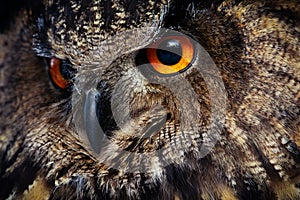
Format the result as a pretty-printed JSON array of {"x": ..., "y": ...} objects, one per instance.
[{"x": 8, "y": 10}]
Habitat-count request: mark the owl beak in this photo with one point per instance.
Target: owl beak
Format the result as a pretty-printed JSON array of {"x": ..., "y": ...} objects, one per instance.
[{"x": 93, "y": 129}]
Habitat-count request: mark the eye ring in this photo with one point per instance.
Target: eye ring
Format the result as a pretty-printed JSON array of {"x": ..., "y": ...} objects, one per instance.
[{"x": 179, "y": 49}]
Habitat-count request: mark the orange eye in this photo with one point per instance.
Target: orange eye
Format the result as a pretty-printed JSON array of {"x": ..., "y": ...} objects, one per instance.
[
  {"x": 60, "y": 72},
  {"x": 171, "y": 54}
]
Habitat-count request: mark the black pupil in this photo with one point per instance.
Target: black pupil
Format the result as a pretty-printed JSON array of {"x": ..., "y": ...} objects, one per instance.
[
  {"x": 67, "y": 69},
  {"x": 169, "y": 52}
]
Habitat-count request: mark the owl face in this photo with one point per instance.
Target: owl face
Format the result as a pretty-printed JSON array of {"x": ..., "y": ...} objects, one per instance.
[
  {"x": 141, "y": 102},
  {"x": 136, "y": 91},
  {"x": 151, "y": 100}
]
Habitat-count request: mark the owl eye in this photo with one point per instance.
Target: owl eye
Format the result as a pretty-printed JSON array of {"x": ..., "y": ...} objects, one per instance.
[
  {"x": 171, "y": 54},
  {"x": 61, "y": 72}
]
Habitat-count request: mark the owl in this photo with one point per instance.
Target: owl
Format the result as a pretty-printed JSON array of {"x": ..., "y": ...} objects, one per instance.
[{"x": 152, "y": 99}]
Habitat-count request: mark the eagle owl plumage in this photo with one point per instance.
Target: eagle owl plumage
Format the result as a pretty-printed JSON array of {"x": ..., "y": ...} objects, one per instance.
[{"x": 107, "y": 99}]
